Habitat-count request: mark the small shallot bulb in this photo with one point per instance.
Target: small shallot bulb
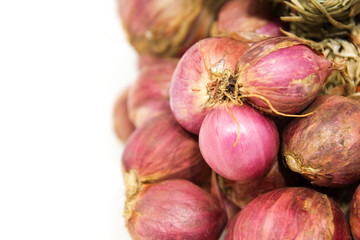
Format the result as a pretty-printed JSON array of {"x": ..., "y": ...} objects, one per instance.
[
  {"x": 355, "y": 214},
  {"x": 325, "y": 146},
  {"x": 161, "y": 150},
  {"x": 174, "y": 209},
  {"x": 290, "y": 213},
  {"x": 122, "y": 125},
  {"x": 149, "y": 95},
  {"x": 206, "y": 62},
  {"x": 166, "y": 27},
  {"x": 244, "y": 19},
  {"x": 238, "y": 142},
  {"x": 284, "y": 71}
]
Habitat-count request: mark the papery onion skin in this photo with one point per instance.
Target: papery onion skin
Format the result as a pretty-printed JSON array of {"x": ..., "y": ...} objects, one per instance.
[
  {"x": 166, "y": 27},
  {"x": 245, "y": 18},
  {"x": 290, "y": 213},
  {"x": 230, "y": 208},
  {"x": 355, "y": 214},
  {"x": 175, "y": 209},
  {"x": 241, "y": 194},
  {"x": 149, "y": 95},
  {"x": 325, "y": 146},
  {"x": 188, "y": 89},
  {"x": 238, "y": 142},
  {"x": 161, "y": 150},
  {"x": 122, "y": 125},
  {"x": 285, "y": 71}
]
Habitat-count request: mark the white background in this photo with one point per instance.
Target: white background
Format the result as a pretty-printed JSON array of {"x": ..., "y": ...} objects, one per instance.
[{"x": 62, "y": 65}]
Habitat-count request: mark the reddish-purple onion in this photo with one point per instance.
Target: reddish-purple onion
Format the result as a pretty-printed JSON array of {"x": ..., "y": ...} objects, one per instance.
[
  {"x": 174, "y": 209},
  {"x": 238, "y": 142},
  {"x": 166, "y": 27},
  {"x": 149, "y": 95},
  {"x": 325, "y": 146},
  {"x": 245, "y": 20},
  {"x": 122, "y": 125},
  {"x": 161, "y": 150},
  {"x": 284, "y": 71},
  {"x": 241, "y": 194},
  {"x": 203, "y": 63},
  {"x": 355, "y": 214},
  {"x": 290, "y": 213}
]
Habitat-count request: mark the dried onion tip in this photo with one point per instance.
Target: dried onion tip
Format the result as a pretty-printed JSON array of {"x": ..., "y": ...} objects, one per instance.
[
  {"x": 122, "y": 125},
  {"x": 166, "y": 27},
  {"x": 325, "y": 146},
  {"x": 245, "y": 20},
  {"x": 160, "y": 150},
  {"x": 290, "y": 213},
  {"x": 355, "y": 214},
  {"x": 174, "y": 209},
  {"x": 149, "y": 95}
]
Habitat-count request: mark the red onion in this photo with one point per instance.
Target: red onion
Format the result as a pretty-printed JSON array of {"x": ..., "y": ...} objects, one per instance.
[
  {"x": 238, "y": 142},
  {"x": 174, "y": 209},
  {"x": 166, "y": 28},
  {"x": 355, "y": 214},
  {"x": 284, "y": 71},
  {"x": 325, "y": 146},
  {"x": 290, "y": 213},
  {"x": 244, "y": 19},
  {"x": 122, "y": 125},
  {"x": 161, "y": 150},
  {"x": 148, "y": 61},
  {"x": 204, "y": 62},
  {"x": 242, "y": 193},
  {"x": 149, "y": 96}
]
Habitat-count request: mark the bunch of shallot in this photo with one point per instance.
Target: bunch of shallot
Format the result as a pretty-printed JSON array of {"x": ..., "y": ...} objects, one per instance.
[{"x": 229, "y": 128}]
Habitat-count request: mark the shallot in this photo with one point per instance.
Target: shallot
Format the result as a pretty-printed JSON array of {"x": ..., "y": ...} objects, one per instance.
[
  {"x": 174, "y": 209},
  {"x": 325, "y": 146}
]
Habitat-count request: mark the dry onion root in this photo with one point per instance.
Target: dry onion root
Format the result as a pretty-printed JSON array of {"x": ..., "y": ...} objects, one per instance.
[{"x": 318, "y": 19}]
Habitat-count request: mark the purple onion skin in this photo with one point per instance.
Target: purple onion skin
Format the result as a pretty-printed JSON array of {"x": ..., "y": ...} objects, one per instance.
[
  {"x": 355, "y": 214},
  {"x": 176, "y": 209},
  {"x": 241, "y": 16},
  {"x": 243, "y": 152},
  {"x": 290, "y": 213},
  {"x": 149, "y": 95},
  {"x": 122, "y": 125},
  {"x": 188, "y": 93},
  {"x": 325, "y": 146},
  {"x": 161, "y": 150},
  {"x": 285, "y": 71}
]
